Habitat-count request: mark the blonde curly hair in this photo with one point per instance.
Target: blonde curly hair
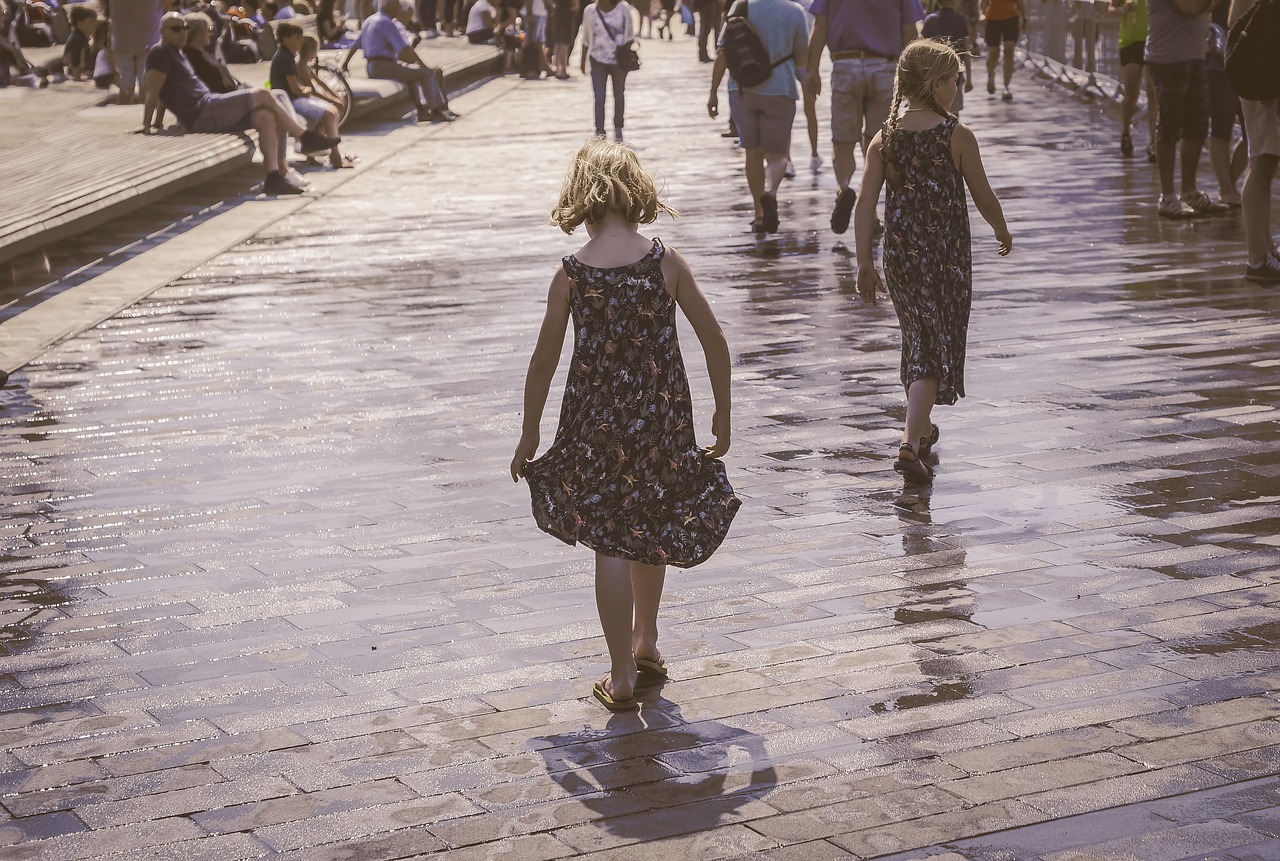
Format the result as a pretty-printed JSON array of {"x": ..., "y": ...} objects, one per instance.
[{"x": 607, "y": 176}]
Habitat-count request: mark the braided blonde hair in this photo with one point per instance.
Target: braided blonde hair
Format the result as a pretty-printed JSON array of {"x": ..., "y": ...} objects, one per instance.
[
  {"x": 607, "y": 176},
  {"x": 921, "y": 65}
]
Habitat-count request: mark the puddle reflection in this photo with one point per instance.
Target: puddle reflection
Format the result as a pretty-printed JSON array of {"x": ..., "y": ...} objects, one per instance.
[
  {"x": 680, "y": 778},
  {"x": 24, "y": 595},
  {"x": 942, "y": 600}
]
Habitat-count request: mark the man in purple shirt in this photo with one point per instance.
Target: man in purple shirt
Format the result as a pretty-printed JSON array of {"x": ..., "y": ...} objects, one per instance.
[{"x": 865, "y": 38}]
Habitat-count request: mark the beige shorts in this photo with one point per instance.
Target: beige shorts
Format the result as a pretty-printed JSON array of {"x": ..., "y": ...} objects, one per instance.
[
  {"x": 1262, "y": 124},
  {"x": 861, "y": 93}
]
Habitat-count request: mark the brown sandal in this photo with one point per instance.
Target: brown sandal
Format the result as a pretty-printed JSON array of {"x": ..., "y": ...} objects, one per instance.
[{"x": 910, "y": 467}]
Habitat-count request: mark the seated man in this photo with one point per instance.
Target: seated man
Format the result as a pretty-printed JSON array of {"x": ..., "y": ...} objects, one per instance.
[
  {"x": 171, "y": 80},
  {"x": 385, "y": 44}
]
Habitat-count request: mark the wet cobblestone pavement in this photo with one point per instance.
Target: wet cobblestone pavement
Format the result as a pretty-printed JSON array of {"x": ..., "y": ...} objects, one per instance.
[{"x": 267, "y": 590}]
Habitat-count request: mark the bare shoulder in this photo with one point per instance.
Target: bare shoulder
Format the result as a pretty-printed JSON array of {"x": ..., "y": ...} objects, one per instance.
[
  {"x": 964, "y": 136},
  {"x": 675, "y": 270}
]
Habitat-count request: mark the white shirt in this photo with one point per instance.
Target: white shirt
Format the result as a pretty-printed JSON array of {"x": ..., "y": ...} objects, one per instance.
[
  {"x": 595, "y": 38},
  {"x": 475, "y": 19}
]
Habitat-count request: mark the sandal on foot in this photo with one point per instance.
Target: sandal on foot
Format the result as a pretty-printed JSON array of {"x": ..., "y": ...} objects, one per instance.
[
  {"x": 610, "y": 702},
  {"x": 657, "y": 667},
  {"x": 910, "y": 467},
  {"x": 928, "y": 442}
]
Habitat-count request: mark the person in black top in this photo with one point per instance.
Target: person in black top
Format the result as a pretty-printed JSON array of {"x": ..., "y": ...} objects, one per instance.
[
  {"x": 171, "y": 80},
  {"x": 950, "y": 26},
  {"x": 77, "y": 53},
  {"x": 317, "y": 113}
]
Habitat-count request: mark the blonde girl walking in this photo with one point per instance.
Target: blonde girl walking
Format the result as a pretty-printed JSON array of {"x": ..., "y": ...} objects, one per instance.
[
  {"x": 927, "y": 157},
  {"x": 624, "y": 475}
]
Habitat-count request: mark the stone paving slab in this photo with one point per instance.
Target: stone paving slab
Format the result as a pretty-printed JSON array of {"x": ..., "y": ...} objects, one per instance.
[{"x": 268, "y": 594}]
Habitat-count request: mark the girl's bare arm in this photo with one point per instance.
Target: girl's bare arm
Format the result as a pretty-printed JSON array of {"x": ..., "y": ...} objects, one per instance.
[
  {"x": 684, "y": 288},
  {"x": 864, "y": 220},
  {"x": 975, "y": 177},
  {"x": 542, "y": 368}
]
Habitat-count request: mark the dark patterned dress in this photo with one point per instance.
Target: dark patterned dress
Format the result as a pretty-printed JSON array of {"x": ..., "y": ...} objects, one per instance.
[
  {"x": 624, "y": 475},
  {"x": 927, "y": 256}
]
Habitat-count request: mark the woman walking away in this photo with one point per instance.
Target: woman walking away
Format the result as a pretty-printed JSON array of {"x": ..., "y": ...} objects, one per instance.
[
  {"x": 928, "y": 157},
  {"x": 1133, "y": 47},
  {"x": 606, "y": 24},
  {"x": 624, "y": 475}
]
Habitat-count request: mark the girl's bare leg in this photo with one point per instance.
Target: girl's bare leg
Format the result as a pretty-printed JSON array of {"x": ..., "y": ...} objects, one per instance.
[
  {"x": 1130, "y": 81},
  {"x": 615, "y": 604},
  {"x": 646, "y": 588},
  {"x": 921, "y": 395}
]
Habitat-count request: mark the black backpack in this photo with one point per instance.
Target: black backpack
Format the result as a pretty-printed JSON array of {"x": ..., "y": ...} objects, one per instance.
[
  {"x": 745, "y": 51},
  {"x": 1253, "y": 61}
]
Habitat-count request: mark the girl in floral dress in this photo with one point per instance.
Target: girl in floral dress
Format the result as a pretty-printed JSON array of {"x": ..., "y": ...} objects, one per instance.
[
  {"x": 927, "y": 157},
  {"x": 624, "y": 475}
]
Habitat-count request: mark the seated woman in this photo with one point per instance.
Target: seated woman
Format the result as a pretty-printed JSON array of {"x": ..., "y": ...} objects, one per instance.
[
  {"x": 201, "y": 51},
  {"x": 332, "y": 26}
]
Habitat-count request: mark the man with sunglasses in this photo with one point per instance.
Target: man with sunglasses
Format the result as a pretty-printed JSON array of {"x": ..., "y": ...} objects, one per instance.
[{"x": 171, "y": 81}]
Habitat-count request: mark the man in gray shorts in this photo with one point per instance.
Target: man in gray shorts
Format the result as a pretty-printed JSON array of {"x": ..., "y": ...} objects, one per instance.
[
  {"x": 171, "y": 81},
  {"x": 865, "y": 38},
  {"x": 1262, "y": 125},
  {"x": 765, "y": 113}
]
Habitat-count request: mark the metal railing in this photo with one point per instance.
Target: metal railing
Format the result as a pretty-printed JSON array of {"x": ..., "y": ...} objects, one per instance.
[{"x": 1076, "y": 43}]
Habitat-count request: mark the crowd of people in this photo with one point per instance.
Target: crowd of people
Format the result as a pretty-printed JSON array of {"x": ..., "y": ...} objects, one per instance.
[{"x": 1175, "y": 48}]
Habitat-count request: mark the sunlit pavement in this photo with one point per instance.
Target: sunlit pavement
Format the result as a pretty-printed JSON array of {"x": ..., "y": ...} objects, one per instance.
[{"x": 268, "y": 590}]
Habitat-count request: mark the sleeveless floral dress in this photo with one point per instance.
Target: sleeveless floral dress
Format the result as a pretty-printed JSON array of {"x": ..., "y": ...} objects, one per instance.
[
  {"x": 624, "y": 475},
  {"x": 927, "y": 256}
]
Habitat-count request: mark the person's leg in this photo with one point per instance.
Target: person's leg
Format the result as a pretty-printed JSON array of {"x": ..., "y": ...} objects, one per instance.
[
  {"x": 646, "y": 590},
  {"x": 921, "y": 395},
  {"x": 599, "y": 77},
  {"x": 811, "y": 118},
  {"x": 262, "y": 100},
  {"x": 1130, "y": 84},
  {"x": 1150, "y": 85},
  {"x": 619, "y": 77},
  {"x": 269, "y": 136},
  {"x": 846, "y": 119},
  {"x": 1255, "y": 206},
  {"x": 1196, "y": 124},
  {"x": 1170, "y": 88},
  {"x": 615, "y": 604},
  {"x": 1008, "y": 62},
  {"x": 755, "y": 171},
  {"x": 993, "y": 59}
]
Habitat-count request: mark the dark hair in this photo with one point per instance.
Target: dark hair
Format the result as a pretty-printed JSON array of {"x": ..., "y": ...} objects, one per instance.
[
  {"x": 80, "y": 12},
  {"x": 288, "y": 31}
]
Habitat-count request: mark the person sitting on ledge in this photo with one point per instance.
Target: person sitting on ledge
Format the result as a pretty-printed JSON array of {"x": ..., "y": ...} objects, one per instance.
[
  {"x": 387, "y": 51},
  {"x": 171, "y": 80}
]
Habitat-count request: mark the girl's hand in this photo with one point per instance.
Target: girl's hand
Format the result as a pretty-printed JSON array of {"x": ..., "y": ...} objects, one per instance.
[
  {"x": 525, "y": 449},
  {"x": 869, "y": 283},
  {"x": 719, "y": 429},
  {"x": 1005, "y": 239}
]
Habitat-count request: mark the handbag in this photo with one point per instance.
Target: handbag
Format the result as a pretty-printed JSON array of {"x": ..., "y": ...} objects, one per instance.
[{"x": 628, "y": 56}]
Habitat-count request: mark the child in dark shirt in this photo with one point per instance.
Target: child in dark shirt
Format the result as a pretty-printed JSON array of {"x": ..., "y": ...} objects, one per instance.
[
  {"x": 78, "y": 54},
  {"x": 950, "y": 26}
]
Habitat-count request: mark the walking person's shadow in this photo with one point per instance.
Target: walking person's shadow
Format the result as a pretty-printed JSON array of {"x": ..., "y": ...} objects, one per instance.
[{"x": 650, "y": 774}]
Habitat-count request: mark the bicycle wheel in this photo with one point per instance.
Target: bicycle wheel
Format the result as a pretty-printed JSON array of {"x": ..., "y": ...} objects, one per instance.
[{"x": 335, "y": 80}]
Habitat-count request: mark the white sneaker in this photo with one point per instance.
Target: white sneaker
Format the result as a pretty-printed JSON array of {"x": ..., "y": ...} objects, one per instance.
[
  {"x": 815, "y": 163},
  {"x": 294, "y": 178}
]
